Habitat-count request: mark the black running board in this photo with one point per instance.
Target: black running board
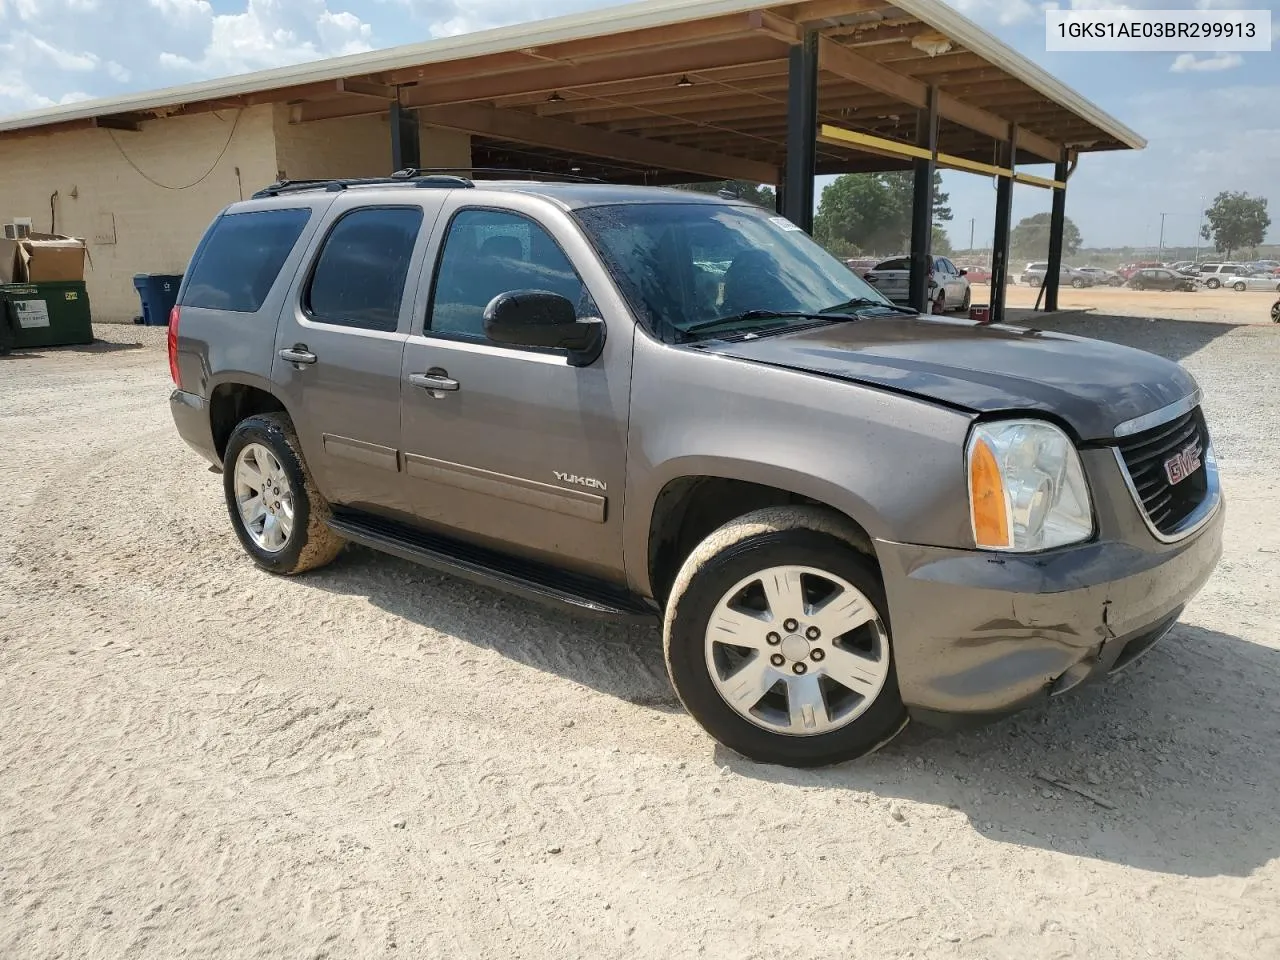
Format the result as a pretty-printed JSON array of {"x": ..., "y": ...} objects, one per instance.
[{"x": 577, "y": 594}]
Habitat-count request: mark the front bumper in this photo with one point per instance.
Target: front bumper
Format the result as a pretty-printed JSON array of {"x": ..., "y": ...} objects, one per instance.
[
  {"x": 191, "y": 417},
  {"x": 979, "y": 635}
]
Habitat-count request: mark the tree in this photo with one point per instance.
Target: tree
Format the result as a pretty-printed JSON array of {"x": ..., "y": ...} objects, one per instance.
[
  {"x": 941, "y": 243},
  {"x": 1030, "y": 238},
  {"x": 1236, "y": 220},
  {"x": 872, "y": 211},
  {"x": 756, "y": 193}
]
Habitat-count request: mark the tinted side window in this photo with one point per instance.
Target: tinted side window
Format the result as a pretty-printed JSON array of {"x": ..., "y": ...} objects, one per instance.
[
  {"x": 240, "y": 258},
  {"x": 488, "y": 252},
  {"x": 359, "y": 276}
]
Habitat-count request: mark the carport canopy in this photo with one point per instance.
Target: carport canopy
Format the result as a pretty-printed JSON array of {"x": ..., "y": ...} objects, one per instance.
[{"x": 669, "y": 92}]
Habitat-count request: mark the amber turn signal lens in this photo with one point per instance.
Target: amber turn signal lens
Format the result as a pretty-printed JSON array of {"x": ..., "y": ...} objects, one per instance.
[{"x": 987, "y": 500}]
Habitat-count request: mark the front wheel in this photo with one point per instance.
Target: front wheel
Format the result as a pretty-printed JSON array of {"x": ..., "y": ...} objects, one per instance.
[
  {"x": 1078, "y": 283},
  {"x": 1139, "y": 286},
  {"x": 967, "y": 301},
  {"x": 777, "y": 641},
  {"x": 1213, "y": 284},
  {"x": 1238, "y": 287},
  {"x": 274, "y": 505},
  {"x": 1275, "y": 312},
  {"x": 940, "y": 302}
]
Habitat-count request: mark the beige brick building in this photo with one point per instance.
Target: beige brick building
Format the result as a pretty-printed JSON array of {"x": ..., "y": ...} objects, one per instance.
[{"x": 141, "y": 199}]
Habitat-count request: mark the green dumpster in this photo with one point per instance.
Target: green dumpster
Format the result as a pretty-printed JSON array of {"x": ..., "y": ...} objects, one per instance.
[{"x": 51, "y": 313}]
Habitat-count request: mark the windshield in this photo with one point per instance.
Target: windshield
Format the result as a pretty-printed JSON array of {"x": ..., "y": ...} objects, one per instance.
[{"x": 687, "y": 265}]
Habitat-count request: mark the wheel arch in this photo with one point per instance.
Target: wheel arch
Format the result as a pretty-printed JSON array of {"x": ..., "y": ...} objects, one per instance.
[
  {"x": 691, "y": 505},
  {"x": 231, "y": 401}
]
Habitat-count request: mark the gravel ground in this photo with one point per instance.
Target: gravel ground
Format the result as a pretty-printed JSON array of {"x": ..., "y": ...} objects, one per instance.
[{"x": 200, "y": 760}]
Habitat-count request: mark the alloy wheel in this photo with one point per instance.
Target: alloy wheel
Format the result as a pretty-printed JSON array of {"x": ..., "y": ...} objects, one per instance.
[
  {"x": 264, "y": 497},
  {"x": 797, "y": 650}
]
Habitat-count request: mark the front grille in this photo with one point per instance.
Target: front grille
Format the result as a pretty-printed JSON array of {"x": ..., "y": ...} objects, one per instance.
[{"x": 1145, "y": 454}]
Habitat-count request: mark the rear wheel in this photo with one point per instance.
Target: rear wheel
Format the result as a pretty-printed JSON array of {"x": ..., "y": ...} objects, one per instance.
[
  {"x": 1275, "y": 312},
  {"x": 274, "y": 505},
  {"x": 1213, "y": 283},
  {"x": 777, "y": 641}
]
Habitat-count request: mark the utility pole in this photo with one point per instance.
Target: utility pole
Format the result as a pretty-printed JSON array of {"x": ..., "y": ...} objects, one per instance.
[
  {"x": 971, "y": 221},
  {"x": 1160, "y": 252},
  {"x": 1199, "y": 227}
]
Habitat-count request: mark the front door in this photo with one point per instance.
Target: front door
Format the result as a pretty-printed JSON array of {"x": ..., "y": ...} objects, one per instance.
[
  {"x": 514, "y": 448},
  {"x": 340, "y": 346}
]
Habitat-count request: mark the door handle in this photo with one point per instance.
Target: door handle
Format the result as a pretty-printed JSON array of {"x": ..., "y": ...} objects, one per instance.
[
  {"x": 298, "y": 354},
  {"x": 434, "y": 381}
]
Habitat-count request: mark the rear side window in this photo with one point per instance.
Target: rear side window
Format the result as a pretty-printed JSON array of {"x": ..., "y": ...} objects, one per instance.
[
  {"x": 240, "y": 258},
  {"x": 902, "y": 263},
  {"x": 360, "y": 274}
]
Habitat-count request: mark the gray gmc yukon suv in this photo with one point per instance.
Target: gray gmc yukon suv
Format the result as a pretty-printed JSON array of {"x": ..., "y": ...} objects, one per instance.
[{"x": 647, "y": 403}]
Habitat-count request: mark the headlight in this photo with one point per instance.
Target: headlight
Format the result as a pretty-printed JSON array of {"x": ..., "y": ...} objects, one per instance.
[{"x": 1026, "y": 487}]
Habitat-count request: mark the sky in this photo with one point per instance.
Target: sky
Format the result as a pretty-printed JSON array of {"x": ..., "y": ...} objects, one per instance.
[{"x": 1212, "y": 120}]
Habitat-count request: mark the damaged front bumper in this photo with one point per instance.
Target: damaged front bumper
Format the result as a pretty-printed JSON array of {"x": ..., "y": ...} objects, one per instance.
[{"x": 979, "y": 635}]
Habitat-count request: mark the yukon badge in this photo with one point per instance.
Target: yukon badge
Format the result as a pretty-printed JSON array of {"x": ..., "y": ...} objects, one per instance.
[{"x": 580, "y": 481}]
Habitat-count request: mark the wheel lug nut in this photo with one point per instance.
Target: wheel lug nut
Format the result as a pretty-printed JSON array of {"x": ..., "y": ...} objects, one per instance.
[
  {"x": 818, "y": 654},
  {"x": 777, "y": 659},
  {"x": 813, "y": 633},
  {"x": 799, "y": 668},
  {"x": 790, "y": 626},
  {"x": 773, "y": 639}
]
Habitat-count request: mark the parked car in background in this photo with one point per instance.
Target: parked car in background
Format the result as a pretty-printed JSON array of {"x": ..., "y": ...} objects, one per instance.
[
  {"x": 1034, "y": 275},
  {"x": 861, "y": 265},
  {"x": 1161, "y": 278},
  {"x": 976, "y": 273},
  {"x": 1213, "y": 273},
  {"x": 1275, "y": 312},
  {"x": 1103, "y": 277},
  {"x": 948, "y": 286},
  {"x": 1129, "y": 269},
  {"x": 1254, "y": 281}
]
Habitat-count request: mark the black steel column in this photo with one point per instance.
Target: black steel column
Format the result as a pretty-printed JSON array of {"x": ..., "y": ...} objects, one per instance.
[
  {"x": 922, "y": 204},
  {"x": 405, "y": 151},
  {"x": 1000, "y": 242},
  {"x": 802, "y": 132},
  {"x": 1057, "y": 223}
]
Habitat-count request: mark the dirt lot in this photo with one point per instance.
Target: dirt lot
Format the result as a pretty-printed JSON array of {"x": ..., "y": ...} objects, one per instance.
[
  {"x": 200, "y": 760},
  {"x": 1225, "y": 306}
]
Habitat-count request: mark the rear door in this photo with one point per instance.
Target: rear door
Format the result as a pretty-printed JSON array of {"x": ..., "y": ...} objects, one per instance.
[
  {"x": 520, "y": 451},
  {"x": 341, "y": 340}
]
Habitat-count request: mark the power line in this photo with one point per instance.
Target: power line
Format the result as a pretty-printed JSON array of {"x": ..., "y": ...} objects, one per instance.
[{"x": 187, "y": 186}]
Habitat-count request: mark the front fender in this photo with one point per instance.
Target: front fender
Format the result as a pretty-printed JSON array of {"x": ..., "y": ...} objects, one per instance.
[{"x": 892, "y": 463}]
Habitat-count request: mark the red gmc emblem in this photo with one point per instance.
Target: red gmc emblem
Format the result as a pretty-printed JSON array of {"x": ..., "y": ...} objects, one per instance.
[{"x": 1183, "y": 463}]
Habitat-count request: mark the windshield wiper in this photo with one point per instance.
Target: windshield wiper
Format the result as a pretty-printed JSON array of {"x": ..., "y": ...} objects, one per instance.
[
  {"x": 857, "y": 302},
  {"x": 746, "y": 317}
]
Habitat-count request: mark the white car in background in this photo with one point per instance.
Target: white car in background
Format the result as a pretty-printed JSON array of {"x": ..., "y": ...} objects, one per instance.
[
  {"x": 1213, "y": 274},
  {"x": 948, "y": 286},
  {"x": 1102, "y": 277},
  {"x": 1254, "y": 281}
]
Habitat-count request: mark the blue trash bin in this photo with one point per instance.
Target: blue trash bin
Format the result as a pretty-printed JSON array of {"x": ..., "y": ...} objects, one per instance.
[{"x": 158, "y": 292}]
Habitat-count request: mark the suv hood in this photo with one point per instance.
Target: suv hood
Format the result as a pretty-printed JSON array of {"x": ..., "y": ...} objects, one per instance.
[{"x": 1091, "y": 385}]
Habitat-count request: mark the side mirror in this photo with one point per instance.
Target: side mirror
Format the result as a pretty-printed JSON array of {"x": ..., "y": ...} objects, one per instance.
[
  {"x": 964, "y": 273},
  {"x": 538, "y": 318}
]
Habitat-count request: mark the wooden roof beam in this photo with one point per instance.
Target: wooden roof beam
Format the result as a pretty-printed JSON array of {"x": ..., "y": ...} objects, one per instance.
[
  {"x": 850, "y": 65},
  {"x": 560, "y": 77},
  {"x": 551, "y": 134}
]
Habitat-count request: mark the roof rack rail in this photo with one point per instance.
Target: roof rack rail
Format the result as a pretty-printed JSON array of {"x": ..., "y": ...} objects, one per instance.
[
  {"x": 501, "y": 171},
  {"x": 414, "y": 178}
]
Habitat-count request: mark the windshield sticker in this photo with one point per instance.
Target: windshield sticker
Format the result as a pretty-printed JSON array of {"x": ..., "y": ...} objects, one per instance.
[{"x": 783, "y": 223}]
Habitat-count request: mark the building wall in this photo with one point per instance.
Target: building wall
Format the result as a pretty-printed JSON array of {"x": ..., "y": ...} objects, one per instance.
[
  {"x": 131, "y": 224},
  {"x": 106, "y": 192}
]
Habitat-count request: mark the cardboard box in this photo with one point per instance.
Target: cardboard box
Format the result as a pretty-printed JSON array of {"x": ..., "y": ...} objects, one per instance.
[{"x": 40, "y": 257}]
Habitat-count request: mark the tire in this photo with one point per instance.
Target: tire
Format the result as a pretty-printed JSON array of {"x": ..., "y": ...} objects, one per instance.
[
  {"x": 1078, "y": 283},
  {"x": 739, "y": 553},
  {"x": 940, "y": 303},
  {"x": 1239, "y": 287},
  {"x": 1275, "y": 312},
  {"x": 1213, "y": 283},
  {"x": 967, "y": 301},
  {"x": 1139, "y": 286},
  {"x": 308, "y": 543}
]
